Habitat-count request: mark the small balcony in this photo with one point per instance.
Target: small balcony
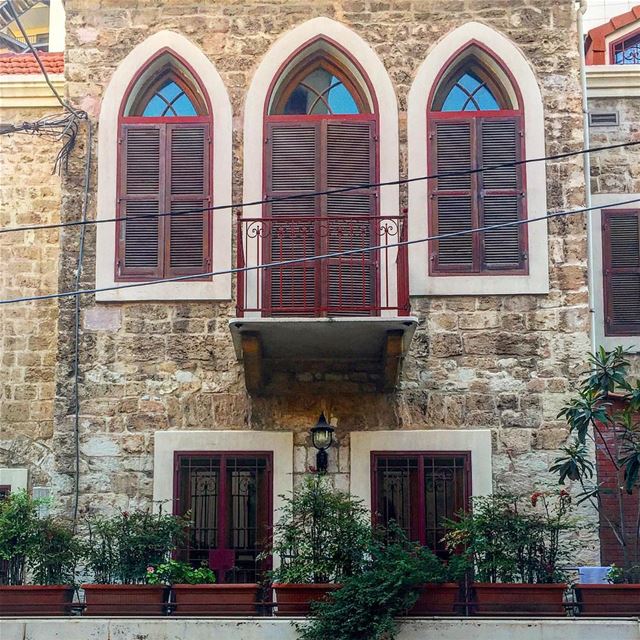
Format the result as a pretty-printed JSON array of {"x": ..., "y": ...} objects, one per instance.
[{"x": 347, "y": 311}]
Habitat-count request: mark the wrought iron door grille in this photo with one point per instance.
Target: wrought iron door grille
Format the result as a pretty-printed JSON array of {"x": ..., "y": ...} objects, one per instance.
[{"x": 419, "y": 492}]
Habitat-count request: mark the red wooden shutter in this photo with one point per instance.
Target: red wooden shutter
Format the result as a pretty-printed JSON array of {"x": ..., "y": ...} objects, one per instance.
[
  {"x": 621, "y": 262},
  {"x": 501, "y": 199},
  {"x": 141, "y": 193},
  {"x": 350, "y": 280},
  {"x": 452, "y": 202},
  {"x": 187, "y": 246},
  {"x": 293, "y": 161}
]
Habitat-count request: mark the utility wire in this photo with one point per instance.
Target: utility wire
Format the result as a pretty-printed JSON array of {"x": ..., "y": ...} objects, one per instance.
[
  {"x": 548, "y": 216},
  {"x": 240, "y": 205},
  {"x": 76, "y": 328}
]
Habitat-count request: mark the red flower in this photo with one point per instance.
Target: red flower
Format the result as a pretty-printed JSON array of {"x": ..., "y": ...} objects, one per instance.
[{"x": 534, "y": 497}]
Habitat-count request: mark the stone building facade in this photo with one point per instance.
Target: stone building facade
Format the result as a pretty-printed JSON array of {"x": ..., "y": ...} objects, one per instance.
[{"x": 493, "y": 357}]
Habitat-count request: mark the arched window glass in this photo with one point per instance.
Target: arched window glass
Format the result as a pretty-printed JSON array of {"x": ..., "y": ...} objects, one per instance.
[
  {"x": 470, "y": 93},
  {"x": 320, "y": 93},
  {"x": 169, "y": 100}
]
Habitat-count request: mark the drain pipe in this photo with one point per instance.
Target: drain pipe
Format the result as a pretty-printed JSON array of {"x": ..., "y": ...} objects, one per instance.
[{"x": 581, "y": 7}]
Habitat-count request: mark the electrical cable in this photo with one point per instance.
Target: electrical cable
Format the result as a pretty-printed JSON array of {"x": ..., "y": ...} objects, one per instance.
[
  {"x": 548, "y": 216},
  {"x": 76, "y": 353},
  {"x": 312, "y": 194}
]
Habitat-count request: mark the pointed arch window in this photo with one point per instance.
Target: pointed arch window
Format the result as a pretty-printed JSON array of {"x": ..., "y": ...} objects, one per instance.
[
  {"x": 321, "y": 134},
  {"x": 475, "y": 122},
  {"x": 164, "y": 168}
]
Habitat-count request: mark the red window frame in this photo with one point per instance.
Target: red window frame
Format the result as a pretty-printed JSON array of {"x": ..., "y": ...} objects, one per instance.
[
  {"x": 165, "y": 124},
  {"x": 221, "y": 559},
  {"x": 473, "y": 117},
  {"x": 418, "y": 514},
  {"x": 307, "y": 65},
  {"x": 611, "y": 327}
]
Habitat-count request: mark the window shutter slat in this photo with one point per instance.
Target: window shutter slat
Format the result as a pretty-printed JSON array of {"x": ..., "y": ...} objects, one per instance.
[
  {"x": 452, "y": 203},
  {"x": 501, "y": 201},
  {"x": 188, "y": 186},
  {"x": 142, "y": 166},
  {"x": 350, "y": 279},
  {"x": 621, "y": 258}
]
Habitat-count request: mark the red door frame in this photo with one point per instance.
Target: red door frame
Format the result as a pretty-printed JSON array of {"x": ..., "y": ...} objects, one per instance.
[
  {"x": 419, "y": 516},
  {"x": 222, "y": 505}
]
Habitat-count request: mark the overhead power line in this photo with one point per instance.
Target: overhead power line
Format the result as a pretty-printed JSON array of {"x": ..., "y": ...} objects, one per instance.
[
  {"x": 240, "y": 205},
  {"x": 548, "y": 216}
]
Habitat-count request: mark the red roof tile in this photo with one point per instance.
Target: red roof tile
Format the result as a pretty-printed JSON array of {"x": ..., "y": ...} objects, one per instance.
[
  {"x": 596, "y": 38},
  {"x": 15, "y": 63}
]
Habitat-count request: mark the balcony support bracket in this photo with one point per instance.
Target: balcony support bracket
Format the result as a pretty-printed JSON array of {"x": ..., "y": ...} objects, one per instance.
[
  {"x": 253, "y": 365},
  {"x": 392, "y": 358}
]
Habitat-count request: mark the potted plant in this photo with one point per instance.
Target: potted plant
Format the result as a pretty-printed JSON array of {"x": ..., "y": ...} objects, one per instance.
[
  {"x": 118, "y": 552},
  {"x": 369, "y": 601},
  {"x": 43, "y": 548},
  {"x": 439, "y": 593},
  {"x": 605, "y": 411},
  {"x": 516, "y": 551},
  {"x": 194, "y": 591},
  {"x": 322, "y": 537}
]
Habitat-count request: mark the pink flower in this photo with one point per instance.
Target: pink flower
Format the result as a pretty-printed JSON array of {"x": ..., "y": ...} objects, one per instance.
[{"x": 150, "y": 570}]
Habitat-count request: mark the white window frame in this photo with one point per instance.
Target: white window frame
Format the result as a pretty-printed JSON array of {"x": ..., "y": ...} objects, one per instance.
[
  {"x": 219, "y": 287},
  {"x": 421, "y": 283}
]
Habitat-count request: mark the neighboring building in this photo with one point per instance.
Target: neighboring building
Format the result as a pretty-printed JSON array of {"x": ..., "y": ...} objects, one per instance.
[
  {"x": 43, "y": 23},
  {"x": 443, "y": 366},
  {"x": 613, "y": 90}
]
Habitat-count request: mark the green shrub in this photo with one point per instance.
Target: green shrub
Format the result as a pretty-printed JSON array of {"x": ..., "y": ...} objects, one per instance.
[
  {"x": 174, "y": 572},
  {"x": 18, "y": 534},
  {"x": 366, "y": 606},
  {"x": 55, "y": 553},
  {"x": 323, "y": 534},
  {"x": 120, "y": 548},
  {"x": 45, "y": 548},
  {"x": 510, "y": 538}
]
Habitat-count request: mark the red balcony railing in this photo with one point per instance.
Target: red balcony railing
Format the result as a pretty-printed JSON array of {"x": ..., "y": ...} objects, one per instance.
[{"x": 366, "y": 283}]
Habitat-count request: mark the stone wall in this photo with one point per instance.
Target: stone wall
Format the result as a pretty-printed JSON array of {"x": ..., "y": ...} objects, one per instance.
[
  {"x": 500, "y": 362},
  {"x": 29, "y": 194},
  {"x": 618, "y": 170}
]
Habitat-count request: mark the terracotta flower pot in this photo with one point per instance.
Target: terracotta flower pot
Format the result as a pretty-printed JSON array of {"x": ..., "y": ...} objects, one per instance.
[
  {"x": 295, "y": 599},
  {"x": 503, "y": 599},
  {"x": 124, "y": 599},
  {"x": 215, "y": 599},
  {"x": 436, "y": 600},
  {"x": 608, "y": 599},
  {"x": 35, "y": 600}
]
